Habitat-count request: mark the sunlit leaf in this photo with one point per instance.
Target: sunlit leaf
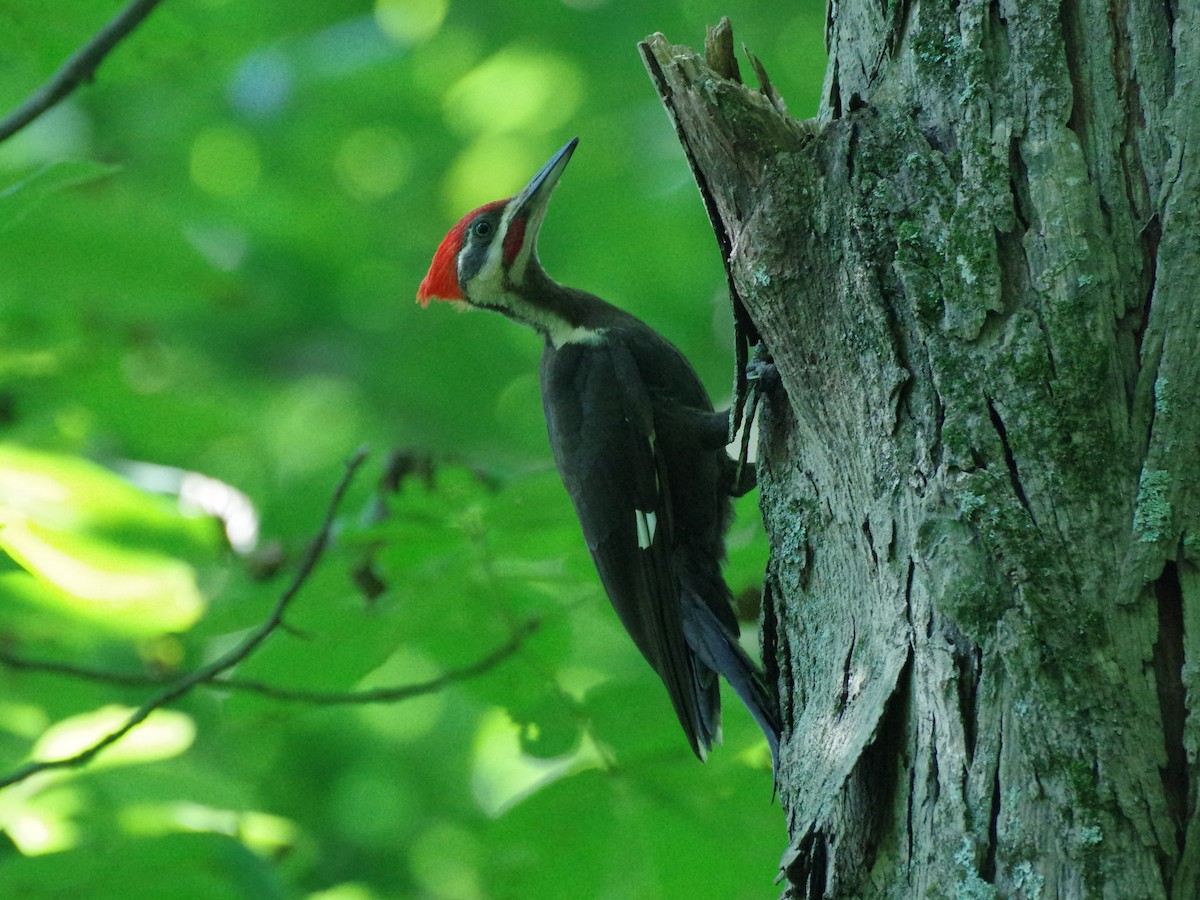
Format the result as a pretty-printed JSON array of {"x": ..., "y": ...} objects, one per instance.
[
  {"x": 88, "y": 538},
  {"x": 503, "y": 775},
  {"x": 165, "y": 733},
  {"x": 261, "y": 832}
]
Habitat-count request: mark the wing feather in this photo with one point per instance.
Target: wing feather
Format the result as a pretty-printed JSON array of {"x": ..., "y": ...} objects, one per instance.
[{"x": 601, "y": 422}]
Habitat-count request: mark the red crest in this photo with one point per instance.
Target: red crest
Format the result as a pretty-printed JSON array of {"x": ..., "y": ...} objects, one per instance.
[{"x": 441, "y": 281}]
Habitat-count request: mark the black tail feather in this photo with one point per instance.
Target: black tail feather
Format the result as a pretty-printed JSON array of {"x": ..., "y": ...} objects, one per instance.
[{"x": 720, "y": 651}]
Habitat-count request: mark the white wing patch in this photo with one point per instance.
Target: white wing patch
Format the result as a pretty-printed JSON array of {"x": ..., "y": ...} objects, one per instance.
[
  {"x": 647, "y": 523},
  {"x": 646, "y": 520}
]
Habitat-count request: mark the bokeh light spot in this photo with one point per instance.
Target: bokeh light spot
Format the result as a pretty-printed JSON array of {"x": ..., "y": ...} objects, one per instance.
[
  {"x": 443, "y": 860},
  {"x": 372, "y": 163},
  {"x": 262, "y": 84},
  {"x": 299, "y": 447},
  {"x": 350, "y": 890},
  {"x": 488, "y": 170},
  {"x": 516, "y": 90},
  {"x": 409, "y": 21},
  {"x": 224, "y": 161}
]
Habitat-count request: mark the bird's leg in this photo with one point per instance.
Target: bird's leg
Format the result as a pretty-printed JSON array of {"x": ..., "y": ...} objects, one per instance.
[
  {"x": 761, "y": 376},
  {"x": 743, "y": 477},
  {"x": 710, "y": 431}
]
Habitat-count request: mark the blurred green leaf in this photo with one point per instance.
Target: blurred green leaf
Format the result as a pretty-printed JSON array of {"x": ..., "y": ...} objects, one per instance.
[
  {"x": 239, "y": 303},
  {"x": 183, "y": 866},
  {"x": 18, "y": 200}
]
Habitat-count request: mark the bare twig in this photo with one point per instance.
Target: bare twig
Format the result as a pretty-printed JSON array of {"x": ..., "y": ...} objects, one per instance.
[
  {"x": 390, "y": 694},
  {"x": 317, "y": 698},
  {"x": 184, "y": 685},
  {"x": 83, "y": 673},
  {"x": 78, "y": 68}
]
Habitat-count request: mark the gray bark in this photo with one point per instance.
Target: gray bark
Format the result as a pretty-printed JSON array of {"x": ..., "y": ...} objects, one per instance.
[{"x": 977, "y": 272}]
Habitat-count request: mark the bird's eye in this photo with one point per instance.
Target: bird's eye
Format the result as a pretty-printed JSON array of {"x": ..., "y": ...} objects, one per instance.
[{"x": 482, "y": 228}]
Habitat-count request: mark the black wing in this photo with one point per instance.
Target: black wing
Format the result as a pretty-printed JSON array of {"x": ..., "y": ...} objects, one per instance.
[{"x": 601, "y": 422}]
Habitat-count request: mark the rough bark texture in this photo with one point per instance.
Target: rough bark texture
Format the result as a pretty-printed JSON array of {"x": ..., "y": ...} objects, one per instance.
[{"x": 978, "y": 273}]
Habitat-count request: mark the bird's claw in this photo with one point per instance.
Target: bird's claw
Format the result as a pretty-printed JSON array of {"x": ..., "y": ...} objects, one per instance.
[
  {"x": 760, "y": 370},
  {"x": 761, "y": 376}
]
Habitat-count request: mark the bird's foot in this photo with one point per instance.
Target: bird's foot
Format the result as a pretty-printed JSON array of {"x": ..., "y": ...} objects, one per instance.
[{"x": 761, "y": 373}]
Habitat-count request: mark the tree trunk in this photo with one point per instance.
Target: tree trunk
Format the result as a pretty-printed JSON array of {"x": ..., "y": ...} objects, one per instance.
[{"x": 977, "y": 274}]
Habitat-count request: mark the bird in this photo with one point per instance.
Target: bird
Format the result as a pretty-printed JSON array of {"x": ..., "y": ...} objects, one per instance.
[{"x": 640, "y": 451}]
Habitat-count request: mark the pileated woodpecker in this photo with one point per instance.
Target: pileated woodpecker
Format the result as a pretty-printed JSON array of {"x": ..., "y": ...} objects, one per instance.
[{"x": 640, "y": 451}]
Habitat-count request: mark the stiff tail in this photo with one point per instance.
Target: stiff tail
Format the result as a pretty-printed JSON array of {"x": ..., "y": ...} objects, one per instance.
[{"x": 720, "y": 651}]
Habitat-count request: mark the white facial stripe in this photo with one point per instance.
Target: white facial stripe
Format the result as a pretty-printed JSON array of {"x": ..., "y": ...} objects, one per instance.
[
  {"x": 647, "y": 523},
  {"x": 488, "y": 285},
  {"x": 491, "y": 285},
  {"x": 564, "y": 333}
]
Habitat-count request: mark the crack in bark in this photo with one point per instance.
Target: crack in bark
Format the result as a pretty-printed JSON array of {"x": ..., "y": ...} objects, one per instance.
[
  {"x": 868, "y": 798},
  {"x": 1144, "y": 365},
  {"x": 1138, "y": 193},
  {"x": 988, "y": 869},
  {"x": 908, "y": 588},
  {"x": 1172, "y": 701},
  {"x": 912, "y": 787},
  {"x": 866, "y": 530},
  {"x": 1151, "y": 237},
  {"x": 935, "y": 783},
  {"x": 904, "y": 388},
  {"x": 1077, "y": 117},
  {"x": 834, "y": 102},
  {"x": 769, "y": 617},
  {"x": 806, "y": 863},
  {"x": 844, "y": 700},
  {"x": 939, "y": 423},
  {"x": 1014, "y": 476},
  {"x": 1050, "y": 361},
  {"x": 1010, "y": 245},
  {"x": 967, "y": 662},
  {"x": 1019, "y": 188}
]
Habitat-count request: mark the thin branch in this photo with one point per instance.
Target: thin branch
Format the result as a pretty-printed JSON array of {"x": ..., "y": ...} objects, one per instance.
[
  {"x": 391, "y": 694},
  {"x": 78, "y": 68},
  {"x": 317, "y": 698},
  {"x": 83, "y": 673},
  {"x": 225, "y": 662}
]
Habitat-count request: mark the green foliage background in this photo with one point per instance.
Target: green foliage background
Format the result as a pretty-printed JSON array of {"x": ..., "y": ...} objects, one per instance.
[{"x": 207, "y": 262}]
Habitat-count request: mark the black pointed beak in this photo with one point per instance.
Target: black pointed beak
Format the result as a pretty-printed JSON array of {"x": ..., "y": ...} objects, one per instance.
[{"x": 533, "y": 199}]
